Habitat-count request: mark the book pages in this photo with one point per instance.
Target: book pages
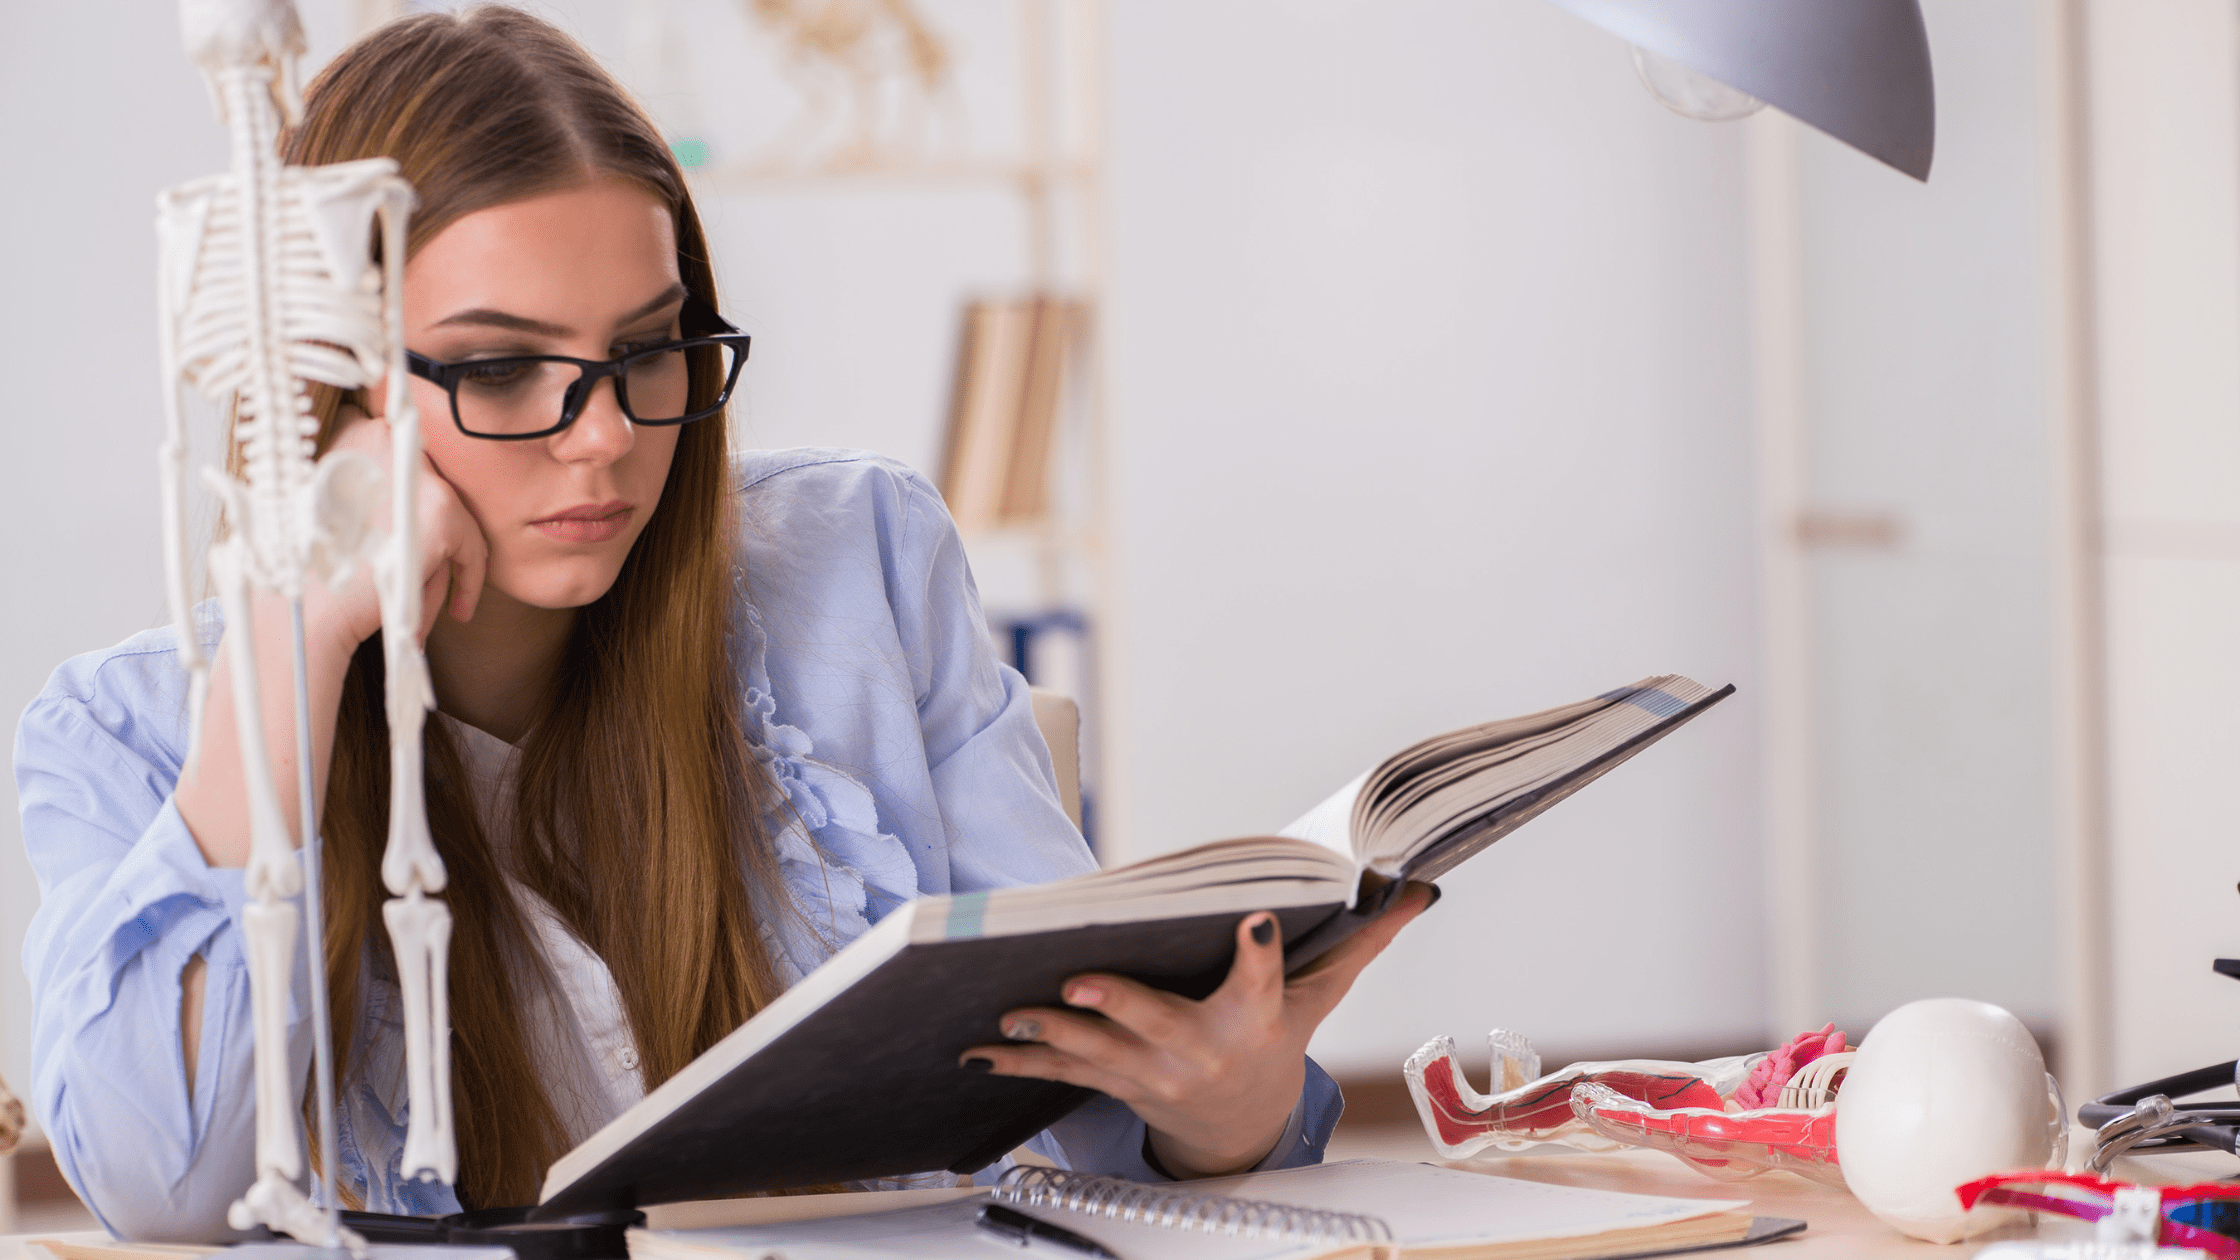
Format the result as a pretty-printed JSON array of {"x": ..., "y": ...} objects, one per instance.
[{"x": 1330, "y": 824}]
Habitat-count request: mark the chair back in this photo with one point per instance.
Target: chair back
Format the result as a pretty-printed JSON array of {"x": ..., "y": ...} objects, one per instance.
[{"x": 1059, "y": 719}]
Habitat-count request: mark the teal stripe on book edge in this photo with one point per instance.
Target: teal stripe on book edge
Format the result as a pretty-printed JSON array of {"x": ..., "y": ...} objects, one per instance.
[
  {"x": 964, "y": 914},
  {"x": 1660, "y": 703}
]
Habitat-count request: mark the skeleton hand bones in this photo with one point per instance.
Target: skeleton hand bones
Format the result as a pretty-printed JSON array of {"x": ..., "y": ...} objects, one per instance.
[
  {"x": 454, "y": 555},
  {"x": 337, "y": 621}
]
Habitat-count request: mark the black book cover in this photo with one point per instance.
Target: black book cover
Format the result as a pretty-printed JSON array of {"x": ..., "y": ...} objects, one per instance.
[{"x": 868, "y": 1084}]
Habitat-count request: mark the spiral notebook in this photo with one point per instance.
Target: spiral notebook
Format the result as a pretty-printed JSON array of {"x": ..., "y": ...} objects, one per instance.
[{"x": 1356, "y": 1208}]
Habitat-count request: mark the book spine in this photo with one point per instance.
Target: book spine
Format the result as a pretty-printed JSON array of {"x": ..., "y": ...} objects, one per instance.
[
  {"x": 1374, "y": 896},
  {"x": 1467, "y": 841}
]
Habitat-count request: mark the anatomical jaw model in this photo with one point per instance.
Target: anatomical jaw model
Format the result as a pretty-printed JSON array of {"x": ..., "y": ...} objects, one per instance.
[{"x": 266, "y": 284}]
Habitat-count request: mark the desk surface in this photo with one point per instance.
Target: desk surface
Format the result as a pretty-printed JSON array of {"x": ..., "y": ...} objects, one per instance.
[{"x": 1836, "y": 1223}]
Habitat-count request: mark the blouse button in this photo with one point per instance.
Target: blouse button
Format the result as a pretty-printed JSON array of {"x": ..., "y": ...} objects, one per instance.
[{"x": 629, "y": 1058}]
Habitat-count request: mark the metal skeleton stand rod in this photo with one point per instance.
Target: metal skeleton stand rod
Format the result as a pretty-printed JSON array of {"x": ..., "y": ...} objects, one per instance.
[{"x": 322, "y": 1043}]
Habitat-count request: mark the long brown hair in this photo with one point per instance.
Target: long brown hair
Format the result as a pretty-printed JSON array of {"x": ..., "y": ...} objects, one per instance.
[{"x": 638, "y": 807}]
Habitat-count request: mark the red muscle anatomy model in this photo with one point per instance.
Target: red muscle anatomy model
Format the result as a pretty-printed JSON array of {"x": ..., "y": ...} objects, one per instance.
[{"x": 1731, "y": 1117}]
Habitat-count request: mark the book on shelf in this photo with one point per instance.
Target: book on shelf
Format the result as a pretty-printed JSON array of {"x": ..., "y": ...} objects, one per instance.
[
  {"x": 852, "y": 1073},
  {"x": 1003, "y": 411},
  {"x": 1354, "y": 1208}
]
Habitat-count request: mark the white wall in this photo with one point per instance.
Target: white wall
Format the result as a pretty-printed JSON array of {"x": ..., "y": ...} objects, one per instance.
[
  {"x": 1430, "y": 373},
  {"x": 2166, "y": 156},
  {"x": 1930, "y": 373},
  {"x": 104, "y": 111}
]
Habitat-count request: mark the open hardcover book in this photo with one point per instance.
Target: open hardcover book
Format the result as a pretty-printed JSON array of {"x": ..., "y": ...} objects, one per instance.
[{"x": 852, "y": 1073}]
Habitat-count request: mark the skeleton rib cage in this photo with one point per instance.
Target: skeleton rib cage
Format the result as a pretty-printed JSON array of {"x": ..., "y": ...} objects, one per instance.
[{"x": 265, "y": 284}]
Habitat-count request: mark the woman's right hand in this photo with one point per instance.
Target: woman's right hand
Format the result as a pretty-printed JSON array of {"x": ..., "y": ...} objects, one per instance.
[{"x": 454, "y": 555}]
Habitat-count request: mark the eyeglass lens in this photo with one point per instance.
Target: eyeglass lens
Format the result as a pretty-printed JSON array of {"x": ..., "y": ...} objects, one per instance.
[{"x": 522, "y": 396}]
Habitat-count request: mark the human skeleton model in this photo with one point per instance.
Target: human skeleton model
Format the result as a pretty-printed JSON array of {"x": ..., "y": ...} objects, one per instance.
[
  {"x": 266, "y": 284},
  {"x": 849, "y": 57}
]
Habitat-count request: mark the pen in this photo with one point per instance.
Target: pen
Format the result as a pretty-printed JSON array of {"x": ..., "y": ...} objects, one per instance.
[{"x": 1022, "y": 1229}]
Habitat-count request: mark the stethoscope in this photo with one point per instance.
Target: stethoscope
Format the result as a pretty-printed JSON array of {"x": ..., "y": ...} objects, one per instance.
[{"x": 2145, "y": 1119}]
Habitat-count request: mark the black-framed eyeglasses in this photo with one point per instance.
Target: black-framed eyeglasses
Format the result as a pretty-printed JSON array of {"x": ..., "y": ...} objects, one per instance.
[{"x": 528, "y": 396}]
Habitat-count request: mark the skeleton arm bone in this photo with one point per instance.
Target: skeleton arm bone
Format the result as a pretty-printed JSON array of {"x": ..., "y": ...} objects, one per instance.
[
  {"x": 451, "y": 549},
  {"x": 447, "y": 553},
  {"x": 419, "y": 929},
  {"x": 175, "y": 214},
  {"x": 215, "y": 801}
]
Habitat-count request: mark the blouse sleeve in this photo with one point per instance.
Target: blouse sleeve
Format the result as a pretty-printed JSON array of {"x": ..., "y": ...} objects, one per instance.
[
  {"x": 993, "y": 776},
  {"x": 991, "y": 770},
  {"x": 1105, "y": 1137},
  {"x": 126, "y": 900}
]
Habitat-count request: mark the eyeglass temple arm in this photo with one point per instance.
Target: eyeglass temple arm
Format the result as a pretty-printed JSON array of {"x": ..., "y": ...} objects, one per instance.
[{"x": 698, "y": 319}]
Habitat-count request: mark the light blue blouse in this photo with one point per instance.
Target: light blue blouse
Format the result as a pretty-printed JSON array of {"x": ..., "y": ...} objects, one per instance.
[{"x": 908, "y": 755}]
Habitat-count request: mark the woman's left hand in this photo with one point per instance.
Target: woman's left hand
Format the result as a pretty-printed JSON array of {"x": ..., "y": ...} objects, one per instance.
[{"x": 1214, "y": 1081}]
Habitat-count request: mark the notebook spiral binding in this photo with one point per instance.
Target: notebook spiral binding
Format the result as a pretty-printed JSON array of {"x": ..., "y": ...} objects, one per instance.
[{"x": 1117, "y": 1199}]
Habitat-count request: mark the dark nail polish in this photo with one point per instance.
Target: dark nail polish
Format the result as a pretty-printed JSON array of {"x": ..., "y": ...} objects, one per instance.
[
  {"x": 1436, "y": 893},
  {"x": 1023, "y": 1030},
  {"x": 1264, "y": 931},
  {"x": 978, "y": 1064}
]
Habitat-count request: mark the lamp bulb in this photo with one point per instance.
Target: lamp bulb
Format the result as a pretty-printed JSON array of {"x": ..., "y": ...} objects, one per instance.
[{"x": 1692, "y": 94}]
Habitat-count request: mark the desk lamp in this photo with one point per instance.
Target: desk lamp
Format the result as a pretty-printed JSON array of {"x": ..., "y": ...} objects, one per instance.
[{"x": 1855, "y": 69}]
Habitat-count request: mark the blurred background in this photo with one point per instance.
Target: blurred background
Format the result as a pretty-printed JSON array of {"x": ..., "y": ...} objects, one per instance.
[{"x": 1312, "y": 377}]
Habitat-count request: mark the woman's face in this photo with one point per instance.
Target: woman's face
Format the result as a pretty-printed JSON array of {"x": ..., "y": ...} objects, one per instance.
[{"x": 589, "y": 273}]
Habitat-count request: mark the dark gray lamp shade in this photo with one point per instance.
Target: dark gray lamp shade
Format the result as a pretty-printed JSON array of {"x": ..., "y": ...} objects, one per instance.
[{"x": 1856, "y": 69}]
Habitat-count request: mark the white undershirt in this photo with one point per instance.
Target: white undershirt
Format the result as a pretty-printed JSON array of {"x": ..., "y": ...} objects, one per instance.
[{"x": 578, "y": 1032}]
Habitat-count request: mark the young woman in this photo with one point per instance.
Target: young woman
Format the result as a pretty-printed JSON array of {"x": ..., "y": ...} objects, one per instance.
[{"x": 703, "y": 719}]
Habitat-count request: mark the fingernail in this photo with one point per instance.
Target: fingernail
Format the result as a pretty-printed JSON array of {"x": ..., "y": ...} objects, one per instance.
[
  {"x": 979, "y": 1064},
  {"x": 1023, "y": 1030},
  {"x": 1264, "y": 931},
  {"x": 1436, "y": 893},
  {"x": 1084, "y": 995}
]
